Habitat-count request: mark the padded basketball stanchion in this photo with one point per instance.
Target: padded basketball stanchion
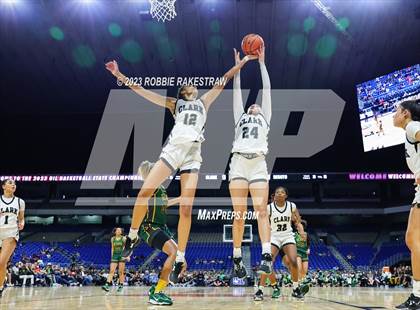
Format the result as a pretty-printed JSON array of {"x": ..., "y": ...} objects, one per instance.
[{"x": 162, "y": 10}]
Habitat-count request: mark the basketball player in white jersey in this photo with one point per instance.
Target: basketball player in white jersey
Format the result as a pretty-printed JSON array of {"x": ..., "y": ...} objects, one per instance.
[
  {"x": 183, "y": 152},
  {"x": 408, "y": 118},
  {"x": 248, "y": 168},
  {"x": 12, "y": 219},
  {"x": 282, "y": 213}
]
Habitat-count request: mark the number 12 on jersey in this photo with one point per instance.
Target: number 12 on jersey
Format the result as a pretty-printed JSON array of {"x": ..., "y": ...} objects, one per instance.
[{"x": 190, "y": 119}]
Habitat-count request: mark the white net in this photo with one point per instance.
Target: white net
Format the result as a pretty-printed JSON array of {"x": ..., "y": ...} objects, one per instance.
[{"x": 162, "y": 10}]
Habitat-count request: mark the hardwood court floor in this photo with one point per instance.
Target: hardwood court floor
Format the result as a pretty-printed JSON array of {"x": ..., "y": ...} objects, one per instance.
[{"x": 60, "y": 298}]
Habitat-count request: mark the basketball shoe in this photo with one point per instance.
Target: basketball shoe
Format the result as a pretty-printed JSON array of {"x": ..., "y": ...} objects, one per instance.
[{"x": 239, "y": 270}]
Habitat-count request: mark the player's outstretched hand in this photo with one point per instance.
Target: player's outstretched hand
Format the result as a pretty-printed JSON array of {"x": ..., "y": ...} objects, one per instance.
[
  {"x": 261, "y": 54},
  {"x": 112, "y": 67},
  {"x": 237, "y": 56},
  {"x": 249, "y": 57}
]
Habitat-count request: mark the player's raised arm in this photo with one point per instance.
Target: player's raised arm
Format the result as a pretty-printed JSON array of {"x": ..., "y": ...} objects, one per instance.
[
  {"x": 266, "y": 92},
  {"x": 209, "y": 97},
  {"x": 166, "y": 102},
  {"x": 238, "y": 104}
]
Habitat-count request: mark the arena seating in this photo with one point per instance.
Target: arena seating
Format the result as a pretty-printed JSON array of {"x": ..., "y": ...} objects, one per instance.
[
  {"x": 322, "y": 258},
  {"x": 31, "y": 248},
  {"x": 357, "y": 237},
  {"x": 213, "y": 255},
  {"x": 206, "y": 237},
  {"x": 390, "y": 249},
  {"x": 56, "y": 236},
  {"x": 100, "y": 253},
  {"x": 357, "y": 254},
  {"x": 203, "y": 256}
]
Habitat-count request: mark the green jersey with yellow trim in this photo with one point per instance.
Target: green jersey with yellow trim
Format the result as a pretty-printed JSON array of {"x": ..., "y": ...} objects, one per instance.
[
  {"x": 118, "y": 245},
  {"x": 301, "y": 244},
  {"x": 156, "y": 212}
]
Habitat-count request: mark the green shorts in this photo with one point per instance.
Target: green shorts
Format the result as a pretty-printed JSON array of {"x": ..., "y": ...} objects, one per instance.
[
  {"x": 302, "y": 254},
  {"x": 155, "y": 235},
  {"x": 117, "y": 258}
]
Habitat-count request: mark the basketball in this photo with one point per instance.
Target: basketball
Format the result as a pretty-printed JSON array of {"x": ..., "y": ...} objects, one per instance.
[{"x": 251, "y": 43}]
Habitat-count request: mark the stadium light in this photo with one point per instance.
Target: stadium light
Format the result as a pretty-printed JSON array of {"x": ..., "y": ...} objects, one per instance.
[
  {"x": 86, "y": 6},
  {"x": 86, "y": 2},
  {"x": 10, "y": 2},
  {"x": 326, "y": 11}
]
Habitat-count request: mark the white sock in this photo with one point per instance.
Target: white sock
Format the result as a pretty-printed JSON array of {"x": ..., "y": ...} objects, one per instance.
[
  {"x": 237, "y": 252},
  {"x": 416, "y": 288},
  {"x": 295, "y": 285},
  {"x": 266, "y": 248},
  {"x": 180, "y": 256},
  {"x": 133, "y": 233},
  {"x": 260, "y": 287}
]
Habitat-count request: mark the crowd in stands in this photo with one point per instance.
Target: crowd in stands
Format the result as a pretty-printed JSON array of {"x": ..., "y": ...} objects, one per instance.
[
  {"x": 380, "y": 92},
  {"x": 62, "y": 265},
  {"x": 33, "y": 271},
  {"x": 38, "y": 274},
  {"x": 399, "y": 277}
]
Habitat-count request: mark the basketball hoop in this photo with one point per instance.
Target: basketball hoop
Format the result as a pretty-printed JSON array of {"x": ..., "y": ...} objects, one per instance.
[{"x": 162, "y": 10}]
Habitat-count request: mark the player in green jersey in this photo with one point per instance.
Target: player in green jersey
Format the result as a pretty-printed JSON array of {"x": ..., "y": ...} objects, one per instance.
[
  {"x": 302, "y": 244},
  {"x": 117, "y": 246},
  {"x": 157, "y": 235}
]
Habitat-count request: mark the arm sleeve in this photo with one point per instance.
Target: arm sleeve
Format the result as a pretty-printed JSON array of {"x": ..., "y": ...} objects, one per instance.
[
  {"x": 238, "y": 106},
  {"x": 411, "y": 130},
  {"x": 266, "y": 93},
  {"x": 21, "y": 204}
]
